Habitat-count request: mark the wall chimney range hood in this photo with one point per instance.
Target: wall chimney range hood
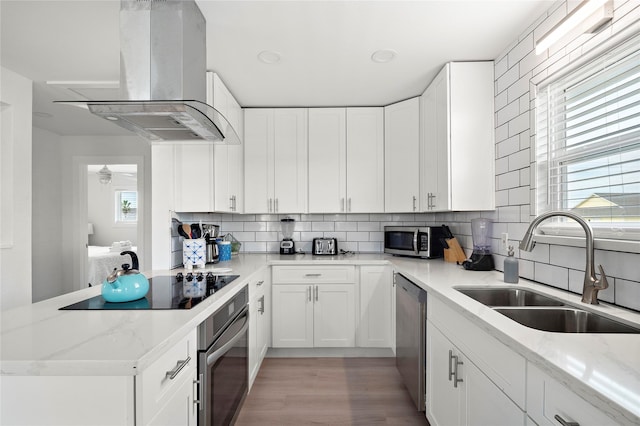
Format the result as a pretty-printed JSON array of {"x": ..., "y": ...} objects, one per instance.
[{"x": 163, "y": 75}]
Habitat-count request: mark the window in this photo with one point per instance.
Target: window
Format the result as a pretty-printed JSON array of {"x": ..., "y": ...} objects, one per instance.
[
  {"x": 588, "y": 144},
  {"x": 126, "y": 207}
]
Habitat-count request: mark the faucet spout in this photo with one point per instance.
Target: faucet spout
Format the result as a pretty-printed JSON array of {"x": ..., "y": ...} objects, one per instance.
[{"x": 591, "y": 283}]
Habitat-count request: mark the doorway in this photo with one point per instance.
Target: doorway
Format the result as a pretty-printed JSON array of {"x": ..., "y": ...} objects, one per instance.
[
  {"x": 108, "y": 213},
  {"x": 112, "y": 217}
]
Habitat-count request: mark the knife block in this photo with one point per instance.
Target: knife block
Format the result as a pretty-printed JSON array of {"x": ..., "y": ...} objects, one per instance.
[{"x": 454, "y": 253}]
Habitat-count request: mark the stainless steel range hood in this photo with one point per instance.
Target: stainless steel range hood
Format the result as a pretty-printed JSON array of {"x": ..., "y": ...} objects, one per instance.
[{"x": 163, "y": 75}]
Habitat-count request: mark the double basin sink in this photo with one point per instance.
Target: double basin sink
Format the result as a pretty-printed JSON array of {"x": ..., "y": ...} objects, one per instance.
[{"x": 536, "y": 310}]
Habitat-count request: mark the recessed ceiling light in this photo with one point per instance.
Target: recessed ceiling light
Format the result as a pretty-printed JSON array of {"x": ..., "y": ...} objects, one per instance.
[
  {"x": 383, "y": 55},
  {"x": 269, "y": 57},
  {"x": 42, "y": 114}
]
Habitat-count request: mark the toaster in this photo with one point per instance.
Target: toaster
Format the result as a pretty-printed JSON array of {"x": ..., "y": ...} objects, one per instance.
[{"x": 325, "y": 246}]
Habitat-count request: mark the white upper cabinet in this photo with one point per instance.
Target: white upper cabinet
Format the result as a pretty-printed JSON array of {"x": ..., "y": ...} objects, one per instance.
[
  {"x": 276, "y": 160},
  {"x": 401, "y": 160},
  {"x": 327, "y": 159},
  {"x": 228, "y": 161},
  {"x": 457, "y": 143},
  {"x": 365, "y": 160},
  {"x": 194, "y": 186},
  {"x": 346, "y": 160}
]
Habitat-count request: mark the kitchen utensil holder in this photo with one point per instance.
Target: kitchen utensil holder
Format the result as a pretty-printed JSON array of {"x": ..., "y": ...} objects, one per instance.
[{"x": 194, "y": 253}]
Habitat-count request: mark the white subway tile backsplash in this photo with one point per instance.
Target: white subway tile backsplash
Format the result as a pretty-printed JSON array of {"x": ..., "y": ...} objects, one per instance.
[
  {"x": 552, "y": 275},
  {"x": 628, "y": 294},
  {"x": 368, "y": 226},
  {"x": 508, "y": 180},
  {"x": 322, "y": 226},
  {"x": 568, "y": 257},
  {"x": 576, "y": 283},
  {"x": 519, "y": 195},
  {"x": 346, "y": 226}
]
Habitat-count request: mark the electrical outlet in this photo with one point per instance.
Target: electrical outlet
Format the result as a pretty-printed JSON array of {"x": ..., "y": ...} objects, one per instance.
[{"x": 505, "y": 241}]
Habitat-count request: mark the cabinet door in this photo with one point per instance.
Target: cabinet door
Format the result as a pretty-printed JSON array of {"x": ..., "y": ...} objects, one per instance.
[
  {"x": 375, "y": 322},
  {"x": 292, "y": 316},
  {"x": 334, "y": 315},
  {"x": 194, "y": 177},
  {"x": 180, "y": 409},
  {"x": 365, "y": 160},
  {"x": 435, "y": 144},
  {"x": 290, "y": 160},
  {"x": 485, "y": 403},
  {"x": 401, "y": 156},
  {"x": 327, "y": 160},
  {"x": 443, "y": 402},
  {"x": 258, "y": 156}
]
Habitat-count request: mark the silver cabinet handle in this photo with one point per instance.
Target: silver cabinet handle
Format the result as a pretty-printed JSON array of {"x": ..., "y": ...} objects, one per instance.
[
  {"x": 261, "y": 307},
  {"x": 259, "y": 283},
  {"x": 348, "y": 204},
  {"x": 316, "y": 293},
  {"x": 276, "y": 204},
  {"x": 342, "y": 205},
  {"x": 179, "y": 366},
  {"x": 200, "y": 383},
  {"x": 269, "y": 202},
  {"x": 563, "y": 422},
  {"x": 309, "y": 293},
  {"x": 414, "y": 203},
  {"x": 231, "y": 203},
  {"x": 312, "y": 275},
  {"x": 450, "y": 369},
  {"x": 456, "y": 380}
]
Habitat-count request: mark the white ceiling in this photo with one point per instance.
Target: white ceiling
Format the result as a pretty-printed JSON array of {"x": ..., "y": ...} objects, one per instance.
[{"x": 325, "y": 47}]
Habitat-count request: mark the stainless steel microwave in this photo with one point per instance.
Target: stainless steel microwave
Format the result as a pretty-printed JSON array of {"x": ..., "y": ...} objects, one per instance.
[{"x": 414, "y": 241}]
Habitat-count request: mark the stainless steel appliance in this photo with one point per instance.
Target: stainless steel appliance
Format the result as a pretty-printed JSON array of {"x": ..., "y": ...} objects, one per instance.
[
  {"x": 287, "y": 246},
  {"x": 223, "y": 362},
  {"x": 322, "y": 246},
  {"x": 414, "y": 241},
  {"x": 178, "y": 291},
  {"x": 411, "y": 317}
]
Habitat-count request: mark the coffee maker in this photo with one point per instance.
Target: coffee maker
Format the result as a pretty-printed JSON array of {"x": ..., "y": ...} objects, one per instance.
[
  {"x": 287, "y": 246},
  {"x": 481, "y": 258}
]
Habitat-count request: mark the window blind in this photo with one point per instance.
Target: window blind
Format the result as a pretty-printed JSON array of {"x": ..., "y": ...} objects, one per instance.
[{"x": 588, "y": 142}]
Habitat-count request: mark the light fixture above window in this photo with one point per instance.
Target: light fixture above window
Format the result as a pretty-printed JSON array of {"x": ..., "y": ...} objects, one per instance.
[
  {"x": 590, "y": 15},
  {"x": 104, "y": 175}
]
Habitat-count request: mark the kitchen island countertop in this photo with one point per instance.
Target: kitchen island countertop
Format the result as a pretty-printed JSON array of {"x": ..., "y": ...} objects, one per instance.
[{"x": 39, "y": 339}]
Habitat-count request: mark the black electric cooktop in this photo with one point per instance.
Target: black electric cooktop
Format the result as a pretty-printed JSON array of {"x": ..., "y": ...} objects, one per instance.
[{"x": 165, "y": 292}]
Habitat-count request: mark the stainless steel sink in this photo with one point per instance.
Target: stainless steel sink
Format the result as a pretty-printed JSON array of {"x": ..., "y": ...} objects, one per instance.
[
  {"x": 566, "y": 320},
  {"x": 509, "y": 296}
]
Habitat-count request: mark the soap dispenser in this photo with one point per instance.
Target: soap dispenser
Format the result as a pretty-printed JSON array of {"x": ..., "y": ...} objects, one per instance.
[{"x": 511, "y": 268}]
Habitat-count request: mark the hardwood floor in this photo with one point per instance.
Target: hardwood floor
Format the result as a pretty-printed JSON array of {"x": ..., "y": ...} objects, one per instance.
[{"x": 329, "y": 391}]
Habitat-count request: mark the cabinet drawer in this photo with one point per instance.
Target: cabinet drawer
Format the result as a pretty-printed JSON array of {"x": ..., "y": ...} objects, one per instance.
[
  {"x": 547, "y": 398},
  {"x": 154, "y": 387},
  {"x": 313, "y": 274},
  {"x": 257, "y": 284},
  {"x": 505, "y": 367}
]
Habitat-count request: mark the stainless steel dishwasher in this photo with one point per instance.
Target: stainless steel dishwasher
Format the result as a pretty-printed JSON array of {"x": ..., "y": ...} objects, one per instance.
[{"x": 411, "y": 309}]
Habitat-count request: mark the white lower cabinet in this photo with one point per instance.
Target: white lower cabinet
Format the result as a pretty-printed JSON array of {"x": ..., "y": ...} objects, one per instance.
[
  {"x": 313, "y": 307},
  {"x": 260, "y": 321},
  {"x": 551, "y": 403},
  {"x": 165, "y": 390},
  {"x": 458, "y": 393},
  {"x": 376, "y": 321}
]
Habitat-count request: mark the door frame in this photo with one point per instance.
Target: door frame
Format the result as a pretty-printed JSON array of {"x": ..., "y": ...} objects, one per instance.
[{"x": 80, "y": 238}]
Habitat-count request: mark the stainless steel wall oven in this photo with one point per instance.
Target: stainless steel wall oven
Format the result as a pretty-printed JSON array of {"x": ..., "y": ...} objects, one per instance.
[{"x": 223, "y": 362}]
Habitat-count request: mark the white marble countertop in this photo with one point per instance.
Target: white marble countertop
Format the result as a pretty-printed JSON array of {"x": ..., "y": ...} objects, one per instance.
[{"x": 39, "y": 339}]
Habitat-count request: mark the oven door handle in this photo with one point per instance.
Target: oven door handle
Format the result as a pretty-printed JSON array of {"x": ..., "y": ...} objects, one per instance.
[{"x": 211, "y": 359}]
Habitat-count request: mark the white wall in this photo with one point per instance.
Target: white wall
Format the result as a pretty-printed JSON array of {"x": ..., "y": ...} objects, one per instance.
[
  {"x": 15, "y": 175},
  {"x": 101, "y": 210},
  {"x": 46, "y": 222}
]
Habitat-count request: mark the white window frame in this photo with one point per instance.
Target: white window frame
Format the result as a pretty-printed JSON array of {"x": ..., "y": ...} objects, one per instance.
[
  {"x": 118, "y": 215},
  {"x": 622, "y": 231}
]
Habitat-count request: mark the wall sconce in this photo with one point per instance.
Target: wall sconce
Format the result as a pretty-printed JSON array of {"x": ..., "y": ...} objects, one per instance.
[
  {"x": 591, "y": 15},
  {"x": 104, "y": 175}
]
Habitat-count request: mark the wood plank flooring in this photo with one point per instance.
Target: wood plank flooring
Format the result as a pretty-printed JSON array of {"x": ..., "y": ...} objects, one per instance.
[{"x": 329, "y": 391}]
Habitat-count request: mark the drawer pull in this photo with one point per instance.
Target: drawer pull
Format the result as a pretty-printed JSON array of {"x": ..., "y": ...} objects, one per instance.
[
  {"x": 563, "y": 422},
  {"x": 259, "y": 283},
  {"x": 450, "y": 369},
  {"x": 261, "y": 307},
  {"x": 179, "y": 366},
  {"x": 312, "y": 275},
  {"x": 456, "y": 380}
]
